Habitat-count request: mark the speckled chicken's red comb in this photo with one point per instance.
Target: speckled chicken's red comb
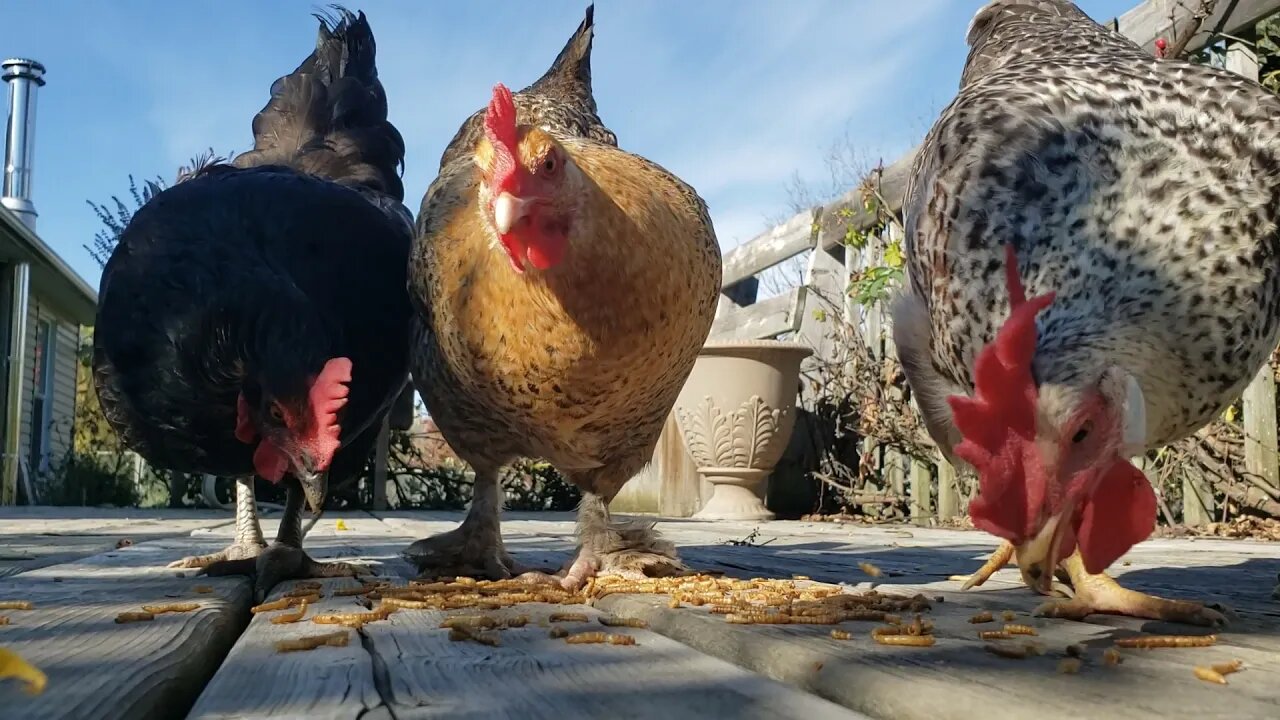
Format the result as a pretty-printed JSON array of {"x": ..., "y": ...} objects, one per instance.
[
  {"x": 500, "y": 128},
  {"x": 998, "y": 423}
]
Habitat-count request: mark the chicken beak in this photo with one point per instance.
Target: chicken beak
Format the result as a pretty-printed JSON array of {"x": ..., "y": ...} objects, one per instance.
[
  {"x": 314, "y": 485},
  {"x": 508, "y": 210},
  {"x": 1038, "y": 558}
]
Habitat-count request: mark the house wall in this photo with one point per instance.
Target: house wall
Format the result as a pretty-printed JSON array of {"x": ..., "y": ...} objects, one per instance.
[{"x": 65, "y": 343}]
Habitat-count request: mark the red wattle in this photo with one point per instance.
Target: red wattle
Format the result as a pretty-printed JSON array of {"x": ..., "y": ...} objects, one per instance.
[
  {"x": 1119, "y": 514},
  {"x": 269, "y": 461}
]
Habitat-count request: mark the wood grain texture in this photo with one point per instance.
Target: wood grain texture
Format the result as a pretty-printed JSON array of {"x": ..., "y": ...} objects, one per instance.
[
  {"x": 532, "y": 676},
  {"x": 99, "y": 669},
  {"x": 256, "y": 681}
]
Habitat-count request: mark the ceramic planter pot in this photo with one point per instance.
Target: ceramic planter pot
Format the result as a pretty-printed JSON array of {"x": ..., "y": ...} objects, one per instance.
[{"x": 736, "y": 413}]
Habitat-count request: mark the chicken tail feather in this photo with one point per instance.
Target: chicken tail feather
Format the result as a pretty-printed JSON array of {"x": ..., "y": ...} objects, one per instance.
[{"x": 329, "y": 116}]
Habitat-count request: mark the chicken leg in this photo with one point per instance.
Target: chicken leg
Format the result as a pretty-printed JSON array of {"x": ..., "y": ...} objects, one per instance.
[
  {"x": 285, "y": 559},
  {"x": 629, "y": 550},
  {"x": 1088, "y": 594},
  {"x": 248, "y": 543},
  {"x": 1102, "y": 594},
  {"x": 474, "y": 548}
]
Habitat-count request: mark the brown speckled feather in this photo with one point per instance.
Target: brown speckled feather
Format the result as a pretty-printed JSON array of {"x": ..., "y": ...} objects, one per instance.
[
  {"x": 1142, "y": 192},
  {"x": 579, "y": 364}
]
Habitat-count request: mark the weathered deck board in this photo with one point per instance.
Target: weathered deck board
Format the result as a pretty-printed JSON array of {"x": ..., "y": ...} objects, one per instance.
[
  {"x": 688, "y": 665},
  {"x": 531, "y": 675},
  {"x": 100, "y": 669},
  {"x": 32, "y": 538}
]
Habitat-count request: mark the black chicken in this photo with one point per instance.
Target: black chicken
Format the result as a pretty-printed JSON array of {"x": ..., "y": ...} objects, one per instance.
[{"x": 254, "y": 319}]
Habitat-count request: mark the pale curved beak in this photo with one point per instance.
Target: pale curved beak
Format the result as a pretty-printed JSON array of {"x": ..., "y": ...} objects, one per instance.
[
  {"x": 1038, "y": 558},
  {"x": 507, "y": 212}
]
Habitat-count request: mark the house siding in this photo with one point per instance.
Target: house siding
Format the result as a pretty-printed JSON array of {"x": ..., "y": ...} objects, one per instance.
[{"x": 65, "y": 342}]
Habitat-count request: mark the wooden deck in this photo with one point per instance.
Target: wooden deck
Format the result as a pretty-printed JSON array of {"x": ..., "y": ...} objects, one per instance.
[{"x": 217, "y": 663}]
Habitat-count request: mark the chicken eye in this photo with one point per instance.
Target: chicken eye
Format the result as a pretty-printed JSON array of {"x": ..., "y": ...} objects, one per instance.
[
  {"x": 277, "y": 412},
  {"x": 1081, "y": 434},
  {"x": 549, "y": 165}
]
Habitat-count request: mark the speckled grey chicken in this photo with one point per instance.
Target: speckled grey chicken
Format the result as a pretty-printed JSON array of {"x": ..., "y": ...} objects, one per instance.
[
  {"x": 1136, "y": 199},
  {"x": 565, "y": 287}
]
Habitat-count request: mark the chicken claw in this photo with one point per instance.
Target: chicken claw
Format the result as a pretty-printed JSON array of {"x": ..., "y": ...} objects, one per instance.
[
  {"x": 998, "y": 559},
  {"x": 464, "y": 551},
  {"x": 282, "y": 562},
  {"x": 233, "y": 552},
  {"x": 1102, "y": 594}
]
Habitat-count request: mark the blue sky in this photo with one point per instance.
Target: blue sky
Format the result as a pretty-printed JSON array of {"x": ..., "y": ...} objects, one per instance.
[{"x": 735, "y": 96}]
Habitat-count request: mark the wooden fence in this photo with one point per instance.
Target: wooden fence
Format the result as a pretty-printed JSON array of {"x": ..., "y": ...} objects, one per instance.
[{"x": 670, "y": 486}]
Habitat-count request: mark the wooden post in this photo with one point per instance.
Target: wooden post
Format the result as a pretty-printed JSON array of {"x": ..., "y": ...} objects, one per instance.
[
  {"x": 948, "y": 491},
  {"x": 921, "y": 492},
  {"x": 1260, "y": 456},
  {"x": 383, "y": 448}
]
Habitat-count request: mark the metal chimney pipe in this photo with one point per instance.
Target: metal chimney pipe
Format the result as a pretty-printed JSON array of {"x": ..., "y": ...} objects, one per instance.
[{"x": 23, "y": 76}]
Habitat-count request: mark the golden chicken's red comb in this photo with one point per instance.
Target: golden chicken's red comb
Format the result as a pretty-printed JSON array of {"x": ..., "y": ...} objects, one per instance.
[{"x": 500, "y": 128}]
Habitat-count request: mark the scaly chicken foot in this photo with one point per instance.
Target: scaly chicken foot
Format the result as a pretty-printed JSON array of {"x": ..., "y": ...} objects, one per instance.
[
  {"x": 285, "y": 558},
  {"x": 629, "y": 550},
  {"x": 249, "y": 542},
  {"x": 474, "y": 548},
  {"x": 1102, "y": 594}
]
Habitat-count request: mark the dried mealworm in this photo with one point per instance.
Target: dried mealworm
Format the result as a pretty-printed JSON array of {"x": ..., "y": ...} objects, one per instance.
[
  {"x": 905, "y": 640},
  {"x": 865, "y": 615},
  {"x": 620, "y": 639},
  {"x": 311, "y": 642},
  {"x": 469, "y": 621},
  {"x": 290, "y": 616},
  {"x": 4, "y": 619},
  {"x": 302, "y": 592},
  {"x": 568, "y": 617},
  {"x": 1020, "y": 630},
  {"x": 1227, "y": 668},
  {"x": 134, "y": 616},
  {"x": 405, "y": 604},
  {"x": 982, "y": 617},
  {"x": 516, "y": 621},
  {"x": 993, "y": 635},
  {"x": 609, "y": 621},
  {"x": 840, "y": 634},
  {"x": 281, "y": 604},
  {"x": 673, "y": 603},
  {"x": 171, "y": 608},
  {"x": 1008, "y": 615},
  {"x": 203, "y": 589},
  {"x": 15, "y": 605},
  {"x": 1013, "y": 652},
  {"x": 1069, "y": 665},
  {"x": 585, "y": 638},
  {"x": 887, "y": 630},
  {"x": 869, "y": 569},
  {"x": 1167, "y": 641},
  {"x": 558, "y": 632},
  {"x": 1208, "y": 674},
  {"x": 1112, "y": 656}
]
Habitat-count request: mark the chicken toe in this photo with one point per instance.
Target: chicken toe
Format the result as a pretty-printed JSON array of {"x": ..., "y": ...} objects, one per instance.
[
  {"x": 474, "y": 548},
  {"x": 630, "y": 550},
  {"x": 1102, "y": 594},
  {"x": 249, "y": 542},
  {"x": 999, "y": 558},
  {"x": 468, "y": 551},
  {"x": 231, "y": 553}
]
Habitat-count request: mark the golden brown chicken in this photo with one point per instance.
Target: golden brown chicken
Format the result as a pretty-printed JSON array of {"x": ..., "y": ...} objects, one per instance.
[{"x": 565, "y": 287}]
